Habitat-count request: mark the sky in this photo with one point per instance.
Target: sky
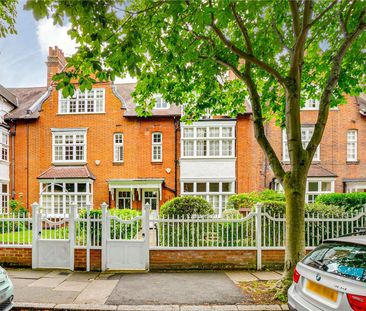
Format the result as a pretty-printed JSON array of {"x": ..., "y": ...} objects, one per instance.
[{"x": 23, "y": 56}]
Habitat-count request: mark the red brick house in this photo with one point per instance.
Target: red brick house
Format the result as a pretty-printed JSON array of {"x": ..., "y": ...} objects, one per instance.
[{"x": 94, "y": 148}]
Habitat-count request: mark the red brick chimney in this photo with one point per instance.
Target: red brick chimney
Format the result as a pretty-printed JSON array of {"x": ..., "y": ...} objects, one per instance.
[{"x": 55, "y": 63}]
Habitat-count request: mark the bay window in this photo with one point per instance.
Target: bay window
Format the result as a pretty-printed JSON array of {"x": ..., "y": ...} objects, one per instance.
[
  {"x": 57, "y": 196},
  {"x": 208, "y": 141},
  {"x": 217, "y": 193},
  {"x": 315, "y": 187}
]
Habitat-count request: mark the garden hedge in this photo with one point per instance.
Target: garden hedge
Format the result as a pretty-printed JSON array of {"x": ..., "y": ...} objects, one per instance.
[{"x": 349, "y": 201}]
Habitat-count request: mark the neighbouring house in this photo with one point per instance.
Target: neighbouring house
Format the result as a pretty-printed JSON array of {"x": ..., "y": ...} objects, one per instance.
[{"x": 94, "y": 148}]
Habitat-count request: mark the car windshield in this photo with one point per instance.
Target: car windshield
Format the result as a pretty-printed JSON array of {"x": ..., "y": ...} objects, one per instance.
[{"x": 347, "y": 260}]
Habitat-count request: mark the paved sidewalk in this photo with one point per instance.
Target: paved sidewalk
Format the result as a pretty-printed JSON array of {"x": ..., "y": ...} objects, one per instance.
[{"x": 181, "y": 291}]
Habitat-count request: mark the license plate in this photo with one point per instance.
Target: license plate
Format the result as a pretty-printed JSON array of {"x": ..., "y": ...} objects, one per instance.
[{"x": 322, "y": 291}]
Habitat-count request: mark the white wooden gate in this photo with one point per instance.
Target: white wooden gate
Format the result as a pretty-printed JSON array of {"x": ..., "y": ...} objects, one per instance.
[
  {"x": 53, "y": 239},
  {"x": 125, "y": 242}
]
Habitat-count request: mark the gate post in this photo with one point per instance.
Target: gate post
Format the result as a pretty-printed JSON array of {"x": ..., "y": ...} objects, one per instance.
[
  {"x": 35, "y": 209},
  {"x": 146, "y": 233},
  {"x": 88, "y": 236},
  {"x": 258, "y": 234},
  {"x": 72, "y": 215},
  {"x": 105, "y": 232}
]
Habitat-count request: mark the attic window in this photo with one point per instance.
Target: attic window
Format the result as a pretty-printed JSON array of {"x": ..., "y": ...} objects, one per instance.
[
  {"x": 161, "y": 103},
  {"x": 311, "y": 104},
  {"x": 92, "y": 101}
]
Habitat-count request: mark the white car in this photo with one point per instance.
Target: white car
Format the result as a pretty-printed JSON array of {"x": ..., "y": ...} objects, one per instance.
[
  {"x": 6, "y": 291},
  {"x": 331, "y": 277}
]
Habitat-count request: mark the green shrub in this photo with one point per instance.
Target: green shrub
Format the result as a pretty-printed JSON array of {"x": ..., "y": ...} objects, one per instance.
[
  {"x": 17, "y": 207},
  {"x": 274, "y": 207},
  {"x": 186, "y": 205},
  {"x": 247, "y": 200},
  {"x": 349, "y": 201}
]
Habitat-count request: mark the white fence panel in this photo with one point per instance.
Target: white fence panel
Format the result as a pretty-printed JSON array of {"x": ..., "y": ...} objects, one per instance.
[{"x": 15, "y": 230}]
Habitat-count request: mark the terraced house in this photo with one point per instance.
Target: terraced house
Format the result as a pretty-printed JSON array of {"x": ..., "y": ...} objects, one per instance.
[{"x": 94, "y": 148}]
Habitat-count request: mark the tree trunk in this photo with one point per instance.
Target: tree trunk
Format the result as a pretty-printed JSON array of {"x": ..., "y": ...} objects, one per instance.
[{"x": 295, "y": 223}]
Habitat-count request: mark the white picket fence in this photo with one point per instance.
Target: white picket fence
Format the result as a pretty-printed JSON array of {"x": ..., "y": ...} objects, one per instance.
[{"x": 258, "y": 230}]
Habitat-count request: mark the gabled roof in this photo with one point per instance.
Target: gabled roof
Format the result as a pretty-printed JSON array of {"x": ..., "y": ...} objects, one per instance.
[
  {"x": 27, "y": 97},
  {"x": 316, "y": 170},
  {"x": 361, "y": 101},
  {"x": 63, "y": 172},
  {"x": 9, "y": 96},
  {"x": 125, "y": 90}
]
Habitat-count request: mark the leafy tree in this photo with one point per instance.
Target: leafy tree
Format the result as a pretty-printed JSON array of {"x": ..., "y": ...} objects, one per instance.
[
  {"x": 281, "y": 53},
  {"x": 7, "y": 17}
]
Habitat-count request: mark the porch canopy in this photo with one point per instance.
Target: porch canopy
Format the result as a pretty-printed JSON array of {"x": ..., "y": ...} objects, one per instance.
[{"x": 136, "y": 184}]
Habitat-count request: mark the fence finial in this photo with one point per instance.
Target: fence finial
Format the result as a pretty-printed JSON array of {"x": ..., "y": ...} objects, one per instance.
[
  {"x": 104, "y": 206},
  {"x": 34, "y": 206}
]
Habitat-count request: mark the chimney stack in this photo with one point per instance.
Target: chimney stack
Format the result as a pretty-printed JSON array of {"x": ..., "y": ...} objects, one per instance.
[{"x": 55, "y": 63}]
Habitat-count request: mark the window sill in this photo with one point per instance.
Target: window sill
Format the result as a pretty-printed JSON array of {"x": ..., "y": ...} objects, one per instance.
[
  {"x": 70, "y": 163},
  {"x": 353, "y": 162},
  {"x": 118, "y": 163},
  {"x": 4, "y": 162},
  {"x": 79, "y": 113},
  {"x": 156, "y": 162}
]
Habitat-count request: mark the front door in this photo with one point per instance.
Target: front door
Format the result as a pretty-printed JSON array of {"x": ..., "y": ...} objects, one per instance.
[{"x": 151, "y": 197}]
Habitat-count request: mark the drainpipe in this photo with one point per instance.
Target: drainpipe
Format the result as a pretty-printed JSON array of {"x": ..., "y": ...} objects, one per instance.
[
  {"x": 12, "y": 135},
  {"x": 176, "y": 128},
  {"x": 27, "y": 164}
]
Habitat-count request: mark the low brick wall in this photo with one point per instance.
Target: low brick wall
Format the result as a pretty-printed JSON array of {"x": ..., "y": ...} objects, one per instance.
[
  {"x": 16, "y": 257},
  {"x": 95, "y": 259},
  {"x": 163, "y": 259},
  {"x": 202, "y": 259}
]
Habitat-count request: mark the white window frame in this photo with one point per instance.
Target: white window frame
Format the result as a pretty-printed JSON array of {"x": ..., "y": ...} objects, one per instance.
[
  {"x": 208, "y": 195},
  {"x": 119, "y": 148},
  {"x": 207, "y": 140},
  {"x": 311, "y": 104},
  {"x": 356, "y": 186},
  {"x": 161, "y": 103},
  {"x": 319, "y": 191},
  {"x": 69, "y": 132},
  {"x": 124, "y": 198},
  {"x": 4, "y": 198},
  {"x": 157, "y": 157},
  {"x": 305, "y": 141},
  {"x": 47, "y": 190},
  {"x": 352, "y": 142},
  {"x": 4, "y": 146},
  {"x": 82, "y": 101}
]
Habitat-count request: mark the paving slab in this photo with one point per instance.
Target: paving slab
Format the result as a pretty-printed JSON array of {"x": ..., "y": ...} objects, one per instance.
[
  {"x": 27, "y": 273},
  {"x": 267, "y": 275},
  {"x": 93, "y": 307},
  {"x": 83, "y": 276},
  {"x": 148, "y": 308},
  {"x": 47, "y": 282},
  {"x": 258, "y": 307},
  {"x": 21, "y": 283},
  {"x": 209, "y": 308},
  {"x": 97, "y": 292},
  {"x": 176, "y": 288},
  {"x": 71, "y": 286},
  {"x": 43, "y": 295},
  {"x": 240, "y": 276},
  {"x": 62, "y": 274},
  {"x": 284, "y": 307}
]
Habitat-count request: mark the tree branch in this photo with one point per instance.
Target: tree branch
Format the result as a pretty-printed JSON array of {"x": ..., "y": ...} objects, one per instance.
[
  {"x": 316, "y": 19},
  {"x": 280, "y": 36},
  {"x": 295, "y": 17},
  {"x": 330, "y": 85},
  {"x": 249, "y": 57}
]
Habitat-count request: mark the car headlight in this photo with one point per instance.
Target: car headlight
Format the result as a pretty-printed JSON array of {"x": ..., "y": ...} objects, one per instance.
[{"x": 3, "y": 272}]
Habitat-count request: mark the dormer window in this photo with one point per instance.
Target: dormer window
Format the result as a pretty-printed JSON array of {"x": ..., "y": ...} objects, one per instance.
[
  {"x": 311, "y": 104},
  {"x": 92, "y": 101},
  {"x": 161, "y": 103}
]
